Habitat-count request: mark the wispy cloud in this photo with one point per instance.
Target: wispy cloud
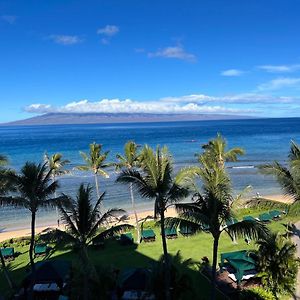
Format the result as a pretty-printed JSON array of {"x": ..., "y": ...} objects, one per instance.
[
  {"x": 246, "y": 98},
  {"x": 107, "y": 33},
  {"x": 65, "y": 39},
  {"x": 232, "y": 73},
  {"x": 109, "y": 30},
  {"x": 280, "y": 83},
  {"x": 10, "y": 19},
  {"x": 177, "y": 52},
  {"x": 280, "y": 68},
  {"x": 131, "y": 106}
]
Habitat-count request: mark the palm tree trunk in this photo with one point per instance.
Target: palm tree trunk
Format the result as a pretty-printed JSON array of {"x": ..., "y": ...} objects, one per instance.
[
  {"x": 55, "y": 196},
  {"x": 214, "y": 268},
  {"x": 31, "y": 248},
  {"x": 97, "y": 185},
  {"x": 86, "y": 273},
  {"x": 135, "y": 214},
  {"x": 166, "y": 256},
  {"x": 6, "y": 273}
]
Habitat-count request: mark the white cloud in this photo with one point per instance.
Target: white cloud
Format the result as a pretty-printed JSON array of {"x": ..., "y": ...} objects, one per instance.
[
  {"x": 246, "y": 98},
  {"x": 280, "y": 68},
  {"x": 280, "y": 83},
  {"x": 10, "y": 19},
  {"x": 109, "y": 30},
  {"x": 65, "y": 39},
  {"x": 232, "y": 73},
  {"x": 177, "y": 52},
  {"x": 130, "y": 106}
]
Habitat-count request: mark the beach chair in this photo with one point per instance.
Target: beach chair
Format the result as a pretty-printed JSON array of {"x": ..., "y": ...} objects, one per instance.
[
  {"x": 8, "y": 253},
  {"x": 148, "y": 235},
  {"x": 249, "y": 218},
  {"x": 185, "y": 231},
  {"x": 126, "y": 239},
  {"x": 266, "y": 218},
  {"x": 171, "y": 233},
  {"x": 40, "y": 249},
  {"x": 275, "y": 214}
]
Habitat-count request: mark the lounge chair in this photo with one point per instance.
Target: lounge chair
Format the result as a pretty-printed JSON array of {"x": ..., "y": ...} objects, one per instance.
[
  {"x": 171, "y": 233},
  {"x": 231, "y": 221},
  {"x": 266, "y": 218},
  {"x": 249, "y": 218},
  {"x": 40, "y": 249},
  {"x": 8, "y": 253},
  {"x": 275, "y": 214},
  {"x": 185, "y": 230},
  {"x": 148, "y": 235},
  {"x": 126, "y": 239}
]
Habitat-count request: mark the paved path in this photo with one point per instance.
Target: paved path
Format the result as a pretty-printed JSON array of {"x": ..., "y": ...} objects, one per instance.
[{"x": 296, "y": 240}]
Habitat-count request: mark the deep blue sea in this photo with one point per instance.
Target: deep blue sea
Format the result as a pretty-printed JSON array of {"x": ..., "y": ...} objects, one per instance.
[{"x": 264, "y": 140}]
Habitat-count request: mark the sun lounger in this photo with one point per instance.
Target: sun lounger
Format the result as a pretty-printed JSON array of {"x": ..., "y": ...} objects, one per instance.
[
  {"x": 275, "y": 214},
  {"x": 126, "y": 239},
  {"x": 8, "y": 253},
  {"x": 231, "y": 221},
  {"x": 40, "y": 249},
  {"x": 185, "y": 230},
  {"x": 265, "y": 218},
  {"x": 249, "y": 218},
  {"x": 148, "y": 235},
  {"x": 171, "y": 233}
]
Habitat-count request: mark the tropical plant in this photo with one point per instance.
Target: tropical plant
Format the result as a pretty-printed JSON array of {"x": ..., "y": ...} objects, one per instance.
[
  {"x": 34, "y": 190},
  {"x": 95, "y": 162},
  {"x": 215, "y": 150},
  {"x": 256, "y": 293},
  {"x": 56, "y": 164},
  {"x": 156, "y": 181},
  {"x": 211, "y": 209},
  {"x": 5, "y": 187},
  {"x": 83, "y": 220},
  {"x": 130, "y": 160},
  {"x": 277, "y": 264},
  {"x": 288, "y": 177}
]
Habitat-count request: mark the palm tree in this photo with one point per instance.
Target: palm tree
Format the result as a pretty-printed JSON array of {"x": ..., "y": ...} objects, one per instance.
[
  {"x": 287, "y": 176},
  {"x": 215, "y": 150},
  {"x": 128, "y": 161},
  {"x": 34, "y": 190},
  {"x": 5, "y": 187},
  {"x": 56, "y": 164},
  {"x": 277, "y": 264},
  {"x": 95, "y": 162},
  {"x": 156, "y": 181},
  {"x": 83, "y": 222}
]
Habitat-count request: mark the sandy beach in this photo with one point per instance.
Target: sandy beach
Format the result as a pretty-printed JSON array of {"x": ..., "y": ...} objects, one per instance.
[{"x": 5, "y": 235}]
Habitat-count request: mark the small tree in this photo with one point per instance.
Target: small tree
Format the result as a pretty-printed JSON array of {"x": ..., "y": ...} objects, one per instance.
[
  {"x": 277, "y": 264},
  {"x": 95, "y": 162},
  {"x": 83, "y": 222},
  {"x": 130, "y": 160}
]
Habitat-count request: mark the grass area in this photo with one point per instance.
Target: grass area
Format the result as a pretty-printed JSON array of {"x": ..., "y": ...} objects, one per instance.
[{"x": 142, "y": 255}]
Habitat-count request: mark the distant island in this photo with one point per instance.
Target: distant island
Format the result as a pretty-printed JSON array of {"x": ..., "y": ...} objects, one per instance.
[{"x": 106, "y": 118}]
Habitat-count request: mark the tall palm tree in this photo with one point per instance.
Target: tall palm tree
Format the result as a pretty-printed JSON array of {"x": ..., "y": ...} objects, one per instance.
[
  {"x": 83, "y": 222},
  {"x": 155, "y": 181},
  {"x": 5, "y": 187},
  {"x": 34, "y": 190},
  {"x": 215, "y": 150},
  {"x": 95, "y": 162},
  {"x": 287, "y": 176},
  {"x": 277, "y": 264},
  {"x": 56, "y": 164},
  {"x": 130, "y": 160}
]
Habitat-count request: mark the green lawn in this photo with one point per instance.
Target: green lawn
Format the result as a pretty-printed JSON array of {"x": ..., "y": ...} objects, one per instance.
[{"x": 113, "y": 254}]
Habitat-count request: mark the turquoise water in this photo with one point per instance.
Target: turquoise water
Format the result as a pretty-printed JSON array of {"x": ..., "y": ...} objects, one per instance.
[{"x": 264, "y": 140}]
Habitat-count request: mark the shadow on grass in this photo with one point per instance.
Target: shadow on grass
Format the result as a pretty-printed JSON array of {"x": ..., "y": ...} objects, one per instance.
[{"x": 112, "y": 255}]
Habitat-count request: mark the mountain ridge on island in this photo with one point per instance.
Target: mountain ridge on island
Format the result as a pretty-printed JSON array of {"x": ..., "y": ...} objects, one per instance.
[{"x": 107, "y": 118}]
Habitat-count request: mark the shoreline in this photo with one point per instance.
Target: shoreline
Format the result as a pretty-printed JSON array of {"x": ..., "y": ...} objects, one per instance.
[{"x": 23, "y": 232}]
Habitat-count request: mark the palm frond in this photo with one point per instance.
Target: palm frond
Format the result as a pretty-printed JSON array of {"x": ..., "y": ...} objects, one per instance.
[{"x": 113, "y": 231}]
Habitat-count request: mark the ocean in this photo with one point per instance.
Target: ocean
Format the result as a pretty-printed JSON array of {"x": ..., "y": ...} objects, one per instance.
[{"x": 264, "y": 140}]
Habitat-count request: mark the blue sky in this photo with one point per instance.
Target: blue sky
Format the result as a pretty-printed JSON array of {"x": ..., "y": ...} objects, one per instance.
[{"x": 232, "y": 57}]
